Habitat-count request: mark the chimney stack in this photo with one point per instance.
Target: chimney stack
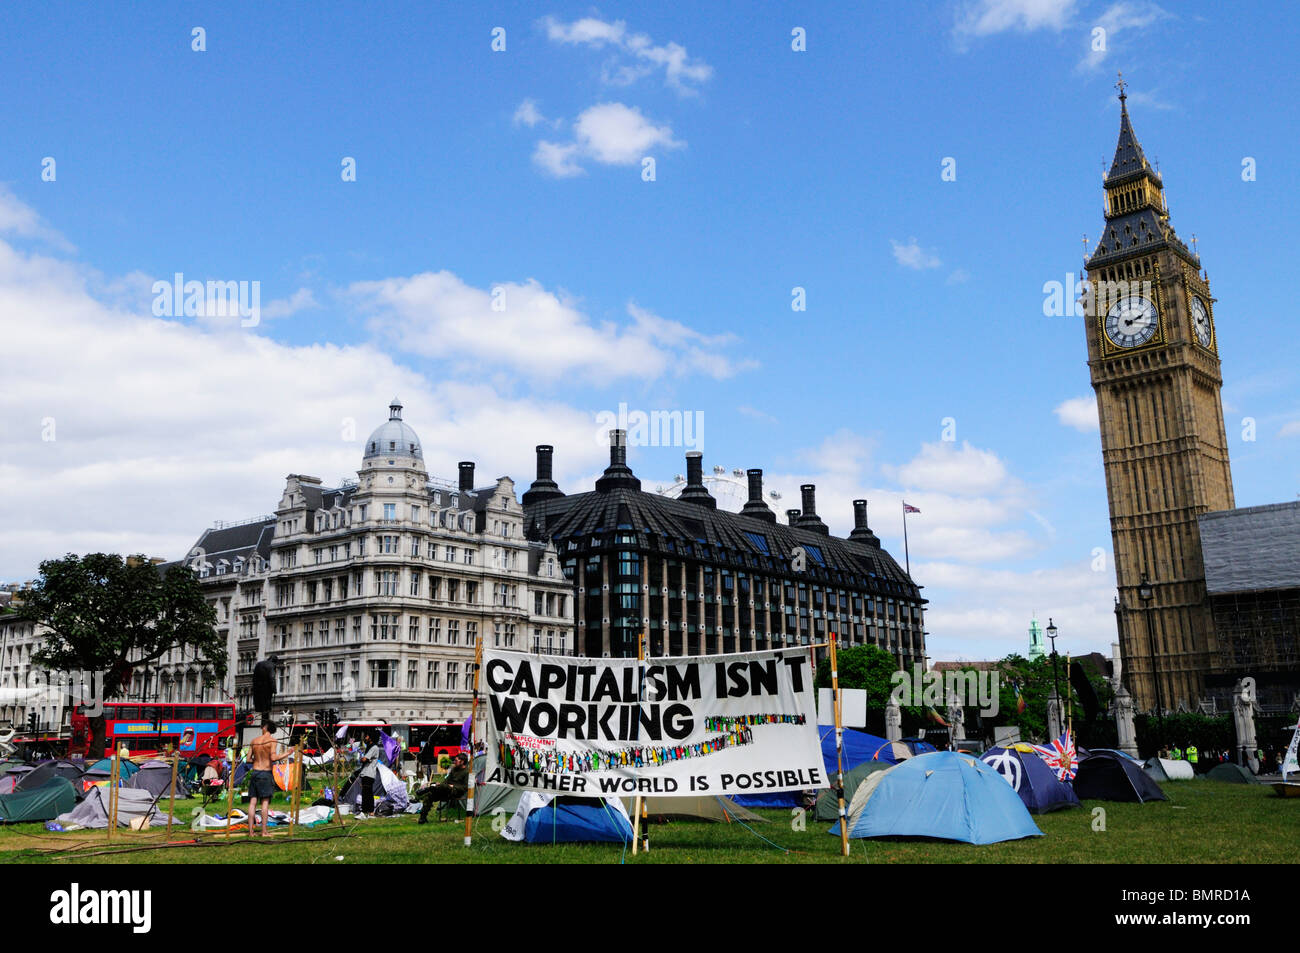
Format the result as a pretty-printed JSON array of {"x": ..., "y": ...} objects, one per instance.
[
  {"x": 792, "y": 516},
  {"x": 861, "y": 531},
  {"x": 695, "y": 491},
  {"x": 618, "y": 475},
  {"x": 809, "y": 519},
  {"x": 544, "y": 486},
  {"x": 466, "y": 475},
  {"x": 755, "y": 507}
]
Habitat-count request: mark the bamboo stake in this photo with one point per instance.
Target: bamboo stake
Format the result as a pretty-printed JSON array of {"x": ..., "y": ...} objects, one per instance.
[
  {"x": 473, "y": 719},
  {"x": 1069, "y": 694},
  {"x": 839, "y": 750},
  {"x": 639, "y": 804},
  {"x": 114, "y": 774},
  {"x": 230, "y": 796},
  {"x": 171, "y": 798},
  {"x": 338, "y": 799},
  {"x": 295, "y": 789}
]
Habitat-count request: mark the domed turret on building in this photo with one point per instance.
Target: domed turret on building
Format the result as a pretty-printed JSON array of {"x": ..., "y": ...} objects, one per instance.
[{"x": 393, "y": 438}]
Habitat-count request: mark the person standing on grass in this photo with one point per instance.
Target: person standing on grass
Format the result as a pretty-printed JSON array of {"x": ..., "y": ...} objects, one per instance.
[
  {"x": 261, "y": 783},
  {"x": 368, "y": 775}
]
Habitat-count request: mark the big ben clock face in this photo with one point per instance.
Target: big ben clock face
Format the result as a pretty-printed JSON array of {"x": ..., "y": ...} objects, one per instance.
[
  {"x": 1131, "y": 321},
  {"x": 1201, "y": 321}
]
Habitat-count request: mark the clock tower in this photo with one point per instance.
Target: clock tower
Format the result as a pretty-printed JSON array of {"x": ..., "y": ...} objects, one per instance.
[{"x": 1154, "y": 361}]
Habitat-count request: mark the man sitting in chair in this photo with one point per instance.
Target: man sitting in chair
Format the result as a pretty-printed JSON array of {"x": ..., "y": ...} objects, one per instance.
[{"x": 455, "y": 787}]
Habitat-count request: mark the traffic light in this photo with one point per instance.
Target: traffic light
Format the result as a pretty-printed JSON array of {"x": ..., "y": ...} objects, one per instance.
[{"x": 32, "y": 721}]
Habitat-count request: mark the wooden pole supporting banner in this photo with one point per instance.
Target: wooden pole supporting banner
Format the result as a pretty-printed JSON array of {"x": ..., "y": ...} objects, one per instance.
[
  {"x": 171, "y": 797},
  {"x": 638, "y": 806},
  {"x": 295, "y": 786},
  {"x": 230, "y": 796},
  {"x": 839, "y": 750},
  {"x": 473, "y": 720},
  {"x": 338, "y": 798},
  {"x": 114, "y": 775}
]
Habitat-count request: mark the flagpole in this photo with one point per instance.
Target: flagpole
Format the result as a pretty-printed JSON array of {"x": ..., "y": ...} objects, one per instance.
[
  {"x": 839, "y": 749},
  {"x": 906, "y": 552},
  {"x": 1069, "y": 698},
  {"x": 473, "y": 717}
]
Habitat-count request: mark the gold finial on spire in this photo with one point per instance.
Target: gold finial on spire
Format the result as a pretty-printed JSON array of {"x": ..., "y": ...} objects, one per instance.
[
  {"x": 1195, "y": 250},
  {"x": 1122, "y": 86}
]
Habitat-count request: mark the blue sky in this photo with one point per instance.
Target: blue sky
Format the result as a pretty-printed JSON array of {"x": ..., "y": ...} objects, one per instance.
[{"x": 522, "y": 170}]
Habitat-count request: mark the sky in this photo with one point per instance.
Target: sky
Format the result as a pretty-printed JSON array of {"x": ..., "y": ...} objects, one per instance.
[{"x": 836, "y": 261}]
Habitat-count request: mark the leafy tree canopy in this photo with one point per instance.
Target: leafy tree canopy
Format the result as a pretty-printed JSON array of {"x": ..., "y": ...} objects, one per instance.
[{"x": 105, "y": 614}]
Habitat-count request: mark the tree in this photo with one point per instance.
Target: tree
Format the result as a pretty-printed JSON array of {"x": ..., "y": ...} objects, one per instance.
[
  {"x": 103, "y": 614},
  {"x": 871, "y": 668}
]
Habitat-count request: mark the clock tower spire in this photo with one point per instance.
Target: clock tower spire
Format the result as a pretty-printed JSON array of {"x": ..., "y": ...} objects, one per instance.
[{"x": 1154, "y": 363}]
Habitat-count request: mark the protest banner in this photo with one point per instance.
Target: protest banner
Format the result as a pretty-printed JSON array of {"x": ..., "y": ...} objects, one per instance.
[{"x": 721, "y": 724}]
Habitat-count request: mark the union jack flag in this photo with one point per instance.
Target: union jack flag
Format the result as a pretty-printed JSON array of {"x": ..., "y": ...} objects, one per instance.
[
  {"x": 909, "y": 508},
  {"x": 1061, "y": 757}
]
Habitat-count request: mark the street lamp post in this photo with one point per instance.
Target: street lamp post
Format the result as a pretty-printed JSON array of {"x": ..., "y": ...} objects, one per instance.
[
  {"x": 1056, "y": 681},
  {"x": 1145, "y": 593}
]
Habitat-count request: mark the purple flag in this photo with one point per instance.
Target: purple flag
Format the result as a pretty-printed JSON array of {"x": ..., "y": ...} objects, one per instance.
[
  {"x": 390, "y": 747},
  {"x": 464, "y": 734}
]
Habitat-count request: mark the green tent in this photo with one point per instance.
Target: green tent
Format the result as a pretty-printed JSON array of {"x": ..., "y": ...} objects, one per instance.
[
  {"x": 56, "y": 796},
  {"x": 828, "y": 806},
  {"x": 1231, "y": 773}
]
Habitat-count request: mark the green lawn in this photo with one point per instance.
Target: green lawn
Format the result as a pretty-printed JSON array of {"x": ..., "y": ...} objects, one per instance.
[{"x": 1203, "y": 822}]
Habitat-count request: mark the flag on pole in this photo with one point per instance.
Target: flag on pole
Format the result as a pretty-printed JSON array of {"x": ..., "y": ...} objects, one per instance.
[
  {"x": 342, "y": 732},
  {"x": 1061, "y": 757},
  {"x": 390, "y": 745},
  {"x": 909, "y": 508},
  {"x": 1020, "y": 700}
]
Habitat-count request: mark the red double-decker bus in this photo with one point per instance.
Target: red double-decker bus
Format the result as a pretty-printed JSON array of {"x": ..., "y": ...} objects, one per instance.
[{"x": 149, "y": 729}]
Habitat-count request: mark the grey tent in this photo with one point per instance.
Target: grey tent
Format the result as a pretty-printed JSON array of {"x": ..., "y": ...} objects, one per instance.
[
  {"x": 491, "y": 798},
  {"x": 155, "y": 777},
  {"x": 70, "y": 771},
  {"x": 1232, "y": 774},
  {"x": 828, "y": 805},
  {"x": 92, "y": 812},
  {"x": 724, "y": 809},
  {"x": 1165, "y": 769}
]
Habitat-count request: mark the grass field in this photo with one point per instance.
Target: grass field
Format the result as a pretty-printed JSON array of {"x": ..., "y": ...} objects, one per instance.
[{"x": 1203, "y": 822}]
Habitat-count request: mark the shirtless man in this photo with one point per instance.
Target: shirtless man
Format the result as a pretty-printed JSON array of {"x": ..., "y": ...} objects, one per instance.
[{"x": 261, "y": 783}]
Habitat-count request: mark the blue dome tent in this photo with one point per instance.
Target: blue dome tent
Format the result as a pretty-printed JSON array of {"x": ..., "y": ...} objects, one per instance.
[
  {"x": 942, "y": 794},
  {"x": 1031, "y": 778}
]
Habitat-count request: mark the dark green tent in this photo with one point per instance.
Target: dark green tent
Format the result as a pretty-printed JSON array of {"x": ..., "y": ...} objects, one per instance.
[
  {"x": 54, "y": 797},
  {"x": 1231, "y": 773},
  {"x": 828, "y": 806}
]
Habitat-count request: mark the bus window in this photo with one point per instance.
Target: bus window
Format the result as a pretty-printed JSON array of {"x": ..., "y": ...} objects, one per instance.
[
  {"x": 207, "y": 713},
  {"x": 183, "y": 713}
]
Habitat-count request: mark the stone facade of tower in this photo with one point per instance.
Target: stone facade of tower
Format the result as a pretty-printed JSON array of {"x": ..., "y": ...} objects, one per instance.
[{"x": 1154, "y": 360}]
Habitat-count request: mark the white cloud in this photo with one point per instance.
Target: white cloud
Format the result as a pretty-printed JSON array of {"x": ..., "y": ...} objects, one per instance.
[
  {"x": 559, "y": 159},
  {"x": 609, "y": 133},
  {"x": 959, "y": 277},
  {"x": 620, "y": 135},
  {"x": 988, "y": 17},
  {"x": 636, "y": 54},
  {"x": 528, "y": 114},
  {"x": 20, "y": 220},
  {"x": 533, "y": 332},
  {"x": 1079, "y": 413},
  {"x": 300, "y": 300},
  {"x": 1115, "y": 19},
  {"x": 160, "y": 427},
  {"x": 912, "y": 255},
  {"x": 943, "y": 467},
  {"x": 1291, "y": 429}
]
